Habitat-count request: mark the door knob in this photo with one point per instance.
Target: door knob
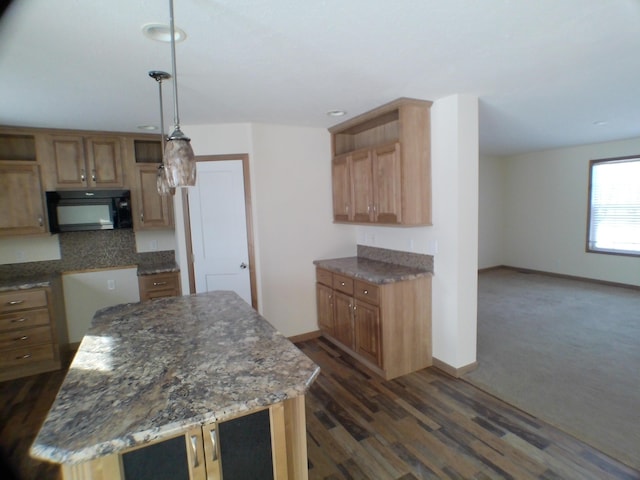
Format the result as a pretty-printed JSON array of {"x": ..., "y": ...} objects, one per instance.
[{"x": 243, "y": 265}]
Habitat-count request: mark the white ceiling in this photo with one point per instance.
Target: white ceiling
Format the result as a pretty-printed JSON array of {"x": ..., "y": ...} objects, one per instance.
[{"x": 546, "y": 71}]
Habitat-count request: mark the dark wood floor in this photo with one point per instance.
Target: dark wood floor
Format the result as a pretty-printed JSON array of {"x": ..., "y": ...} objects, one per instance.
[{"x": 424, "y": 425}]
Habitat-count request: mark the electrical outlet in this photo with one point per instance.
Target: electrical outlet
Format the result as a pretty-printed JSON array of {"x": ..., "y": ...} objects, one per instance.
[
  {"x": 20, "y": 256},
  {"x": 153, "y": 245},
  {"x": 111, "y": 284}
]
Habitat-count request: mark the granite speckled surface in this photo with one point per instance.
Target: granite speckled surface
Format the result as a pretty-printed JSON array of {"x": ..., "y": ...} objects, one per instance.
[
  {"x": 151, "y": 370},
  {"x": 408, "y": 259},
  {"x": 25, "y": 283},
  {"x": 375, "y": 271},
  {"x": 91, "y": 250}
]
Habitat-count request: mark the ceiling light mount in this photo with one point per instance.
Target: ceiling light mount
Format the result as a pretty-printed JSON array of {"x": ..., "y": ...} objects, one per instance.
[{"x": 162, "y": 33}]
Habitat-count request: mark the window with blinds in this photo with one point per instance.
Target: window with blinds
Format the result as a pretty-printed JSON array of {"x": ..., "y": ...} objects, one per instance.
[{"x": 614, "y": 206}]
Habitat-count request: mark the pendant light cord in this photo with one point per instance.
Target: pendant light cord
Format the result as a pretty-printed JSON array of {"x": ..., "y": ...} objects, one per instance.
[{"x": 176, "y": 117}]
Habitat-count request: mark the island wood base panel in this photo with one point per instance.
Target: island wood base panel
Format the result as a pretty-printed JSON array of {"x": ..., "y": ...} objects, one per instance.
[{"x": 288, "y": 454}]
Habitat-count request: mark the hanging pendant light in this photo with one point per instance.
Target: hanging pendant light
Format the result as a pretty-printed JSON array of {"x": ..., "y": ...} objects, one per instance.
[
  {"x": 179, "y": 160},
  {"x": 161, "y": 179}
]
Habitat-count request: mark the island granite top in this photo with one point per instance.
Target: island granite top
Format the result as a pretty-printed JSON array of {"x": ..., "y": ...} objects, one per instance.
[
  {"x": 152, "y": 370},
  {"x": 373, "y": 271}
]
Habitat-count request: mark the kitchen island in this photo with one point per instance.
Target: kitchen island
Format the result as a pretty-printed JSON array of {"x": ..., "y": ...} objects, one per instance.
[{"x": 178, "y": 368}]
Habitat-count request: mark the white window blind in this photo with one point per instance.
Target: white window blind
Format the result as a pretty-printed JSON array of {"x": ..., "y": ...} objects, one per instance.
[{"x": 614, "y": 206}]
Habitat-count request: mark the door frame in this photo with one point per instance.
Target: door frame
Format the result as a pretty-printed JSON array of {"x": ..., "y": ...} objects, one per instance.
[{"x": 249, "y": 223}]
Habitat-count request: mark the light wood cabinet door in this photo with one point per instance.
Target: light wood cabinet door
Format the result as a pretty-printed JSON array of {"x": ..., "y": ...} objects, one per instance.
[
  {"x": 22, "y": 211},
  {"x": 342, "y": 192},
  {"x": 324, "y": 296},
  {"x": 85, "y": 162},
  {"x": 151, "y": 210},
  {"x": 104, "y": 161},
  {"x": 387, "y": 184},
  {"x": 66, "y": 154},
  {"x": 361, "y": 172},
  {"x": 367, "y": 332},
  {"x": 343, "y": 319}
]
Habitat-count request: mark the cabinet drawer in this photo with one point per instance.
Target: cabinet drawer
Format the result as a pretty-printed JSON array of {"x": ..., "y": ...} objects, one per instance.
[
  {"x": 22, "y": 299},
  {"x": 159, "y": 282},
  {"x": 367, "y": 292},
  {"x": 324, "y": 276},
  {"x": 25, "y": 338},
  {"x": 343, "y": 283},
  {"x": 26, "y": 319},
  {"x": 26, "y": 355}
]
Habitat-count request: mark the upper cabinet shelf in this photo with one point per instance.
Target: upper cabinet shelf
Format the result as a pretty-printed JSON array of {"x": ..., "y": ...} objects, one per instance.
[{"x": 381, "y": 168}]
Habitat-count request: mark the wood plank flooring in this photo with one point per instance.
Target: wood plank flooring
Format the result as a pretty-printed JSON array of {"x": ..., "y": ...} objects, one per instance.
[{"x": 425, "y": 425}]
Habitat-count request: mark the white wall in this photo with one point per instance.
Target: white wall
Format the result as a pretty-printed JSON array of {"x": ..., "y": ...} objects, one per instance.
[
  {"x": 453, "y": 238},
  {"x": 292, "y": 215},
  {"x": 491, "y": 212},
  {"x": 293, "y": 190},
  {"x": 29, "y": 249},
  {"x": 85, "y": 293},
  {"x": 546, "y": 195}
]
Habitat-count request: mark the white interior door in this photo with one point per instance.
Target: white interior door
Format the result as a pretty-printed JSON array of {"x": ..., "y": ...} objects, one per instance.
[{"x": 219, "y": 229}]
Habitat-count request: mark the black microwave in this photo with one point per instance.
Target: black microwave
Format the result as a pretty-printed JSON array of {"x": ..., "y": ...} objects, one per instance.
[{"x": 79, "y": 210}]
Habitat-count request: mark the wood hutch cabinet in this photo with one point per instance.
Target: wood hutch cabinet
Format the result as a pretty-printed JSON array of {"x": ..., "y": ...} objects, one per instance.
[{"x": 381, "y": 168}]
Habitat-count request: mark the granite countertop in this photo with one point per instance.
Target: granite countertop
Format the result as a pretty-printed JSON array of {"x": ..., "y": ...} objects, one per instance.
[
  {"x": 26, "y": 282},
  {"x": 373, "y": 271},
  {"x": 147, "y": 371},
  {"x": 157, "y": 267}
]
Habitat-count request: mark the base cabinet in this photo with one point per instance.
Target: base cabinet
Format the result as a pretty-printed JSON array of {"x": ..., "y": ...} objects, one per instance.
[
  {"x": 159, "y": 285},
  {"x": 268, "y": 443},
  {"x": 387, "y": 327},
  {"x": 33, "y": 331}
]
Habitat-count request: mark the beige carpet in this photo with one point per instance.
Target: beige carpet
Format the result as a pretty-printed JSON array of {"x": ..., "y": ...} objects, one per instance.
[{"x": 566, "y": 351}]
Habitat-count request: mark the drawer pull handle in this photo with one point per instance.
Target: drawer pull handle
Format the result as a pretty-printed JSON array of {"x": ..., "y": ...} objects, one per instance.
[
  {"x": 158, "y": 284},
  {"x": 24, "y": 357},
  {"x": 214, "y": 447},
  {"x": 22, "y": 338},
  {"x": 15, "y": 302},
  {"x": 194, "y": 447},
  {"x": 19, "y": 320}
]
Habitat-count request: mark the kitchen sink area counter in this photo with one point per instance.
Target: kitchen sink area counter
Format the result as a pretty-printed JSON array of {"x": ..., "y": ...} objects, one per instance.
[{"x": 151, "y": 370}]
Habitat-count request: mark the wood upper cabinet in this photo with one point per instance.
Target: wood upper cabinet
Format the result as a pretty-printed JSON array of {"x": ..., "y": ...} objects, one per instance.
[
  {"x": 151, "y": 210},
  {"x": 76, "y": 161},
  {"x": 22, "y": 211},
  {"x": 342, "y": 189},
  {"x": 21, "y": 197},
  {"x": 386, "y": 326},
  {"x": 386, "y": 155}
]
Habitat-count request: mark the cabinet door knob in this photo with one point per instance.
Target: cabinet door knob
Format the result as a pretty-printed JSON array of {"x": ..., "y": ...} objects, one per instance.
[
  {"x": 82, "y": 175},
  {"x": 142, "y": 217},
  {"x": 342, "y": 283},
  {"x": 366, "y": 292},
  {"x": 93, "y": 175},
  {"x": 40, "y": 220}
]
